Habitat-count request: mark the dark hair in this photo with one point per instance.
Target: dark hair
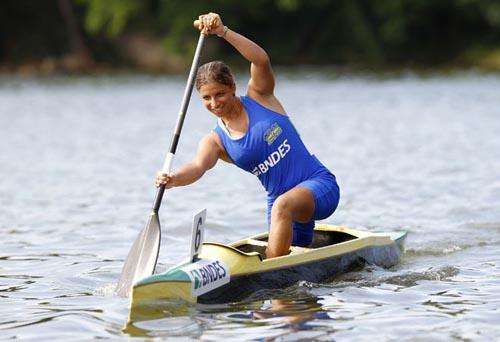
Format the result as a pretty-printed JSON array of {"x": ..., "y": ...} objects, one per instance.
[{"x": 216, "y": 71}]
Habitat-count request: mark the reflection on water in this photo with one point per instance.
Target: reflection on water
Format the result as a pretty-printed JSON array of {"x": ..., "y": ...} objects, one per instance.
[
  {"x": 256, "y": 319},
  {"x": 77, "y": 161}
]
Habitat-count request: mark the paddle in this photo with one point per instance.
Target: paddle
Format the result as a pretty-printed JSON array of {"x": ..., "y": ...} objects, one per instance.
[{"x": 141, "y": 260}]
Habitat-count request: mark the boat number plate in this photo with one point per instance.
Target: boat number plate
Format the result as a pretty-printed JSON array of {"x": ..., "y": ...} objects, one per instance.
[
  {"x": 206, "y": 275},
  {"x": 198, "y": 233}
]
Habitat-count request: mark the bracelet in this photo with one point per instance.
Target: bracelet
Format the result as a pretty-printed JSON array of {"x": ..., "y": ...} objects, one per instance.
[{"x": 223, "y": 32}]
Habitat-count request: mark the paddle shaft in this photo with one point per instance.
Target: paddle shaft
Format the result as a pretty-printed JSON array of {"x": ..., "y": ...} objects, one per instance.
[{"x": 167, "y": 166}]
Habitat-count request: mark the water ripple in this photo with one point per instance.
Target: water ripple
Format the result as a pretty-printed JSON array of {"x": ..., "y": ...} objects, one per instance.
[{"x": 78, "y": 156}]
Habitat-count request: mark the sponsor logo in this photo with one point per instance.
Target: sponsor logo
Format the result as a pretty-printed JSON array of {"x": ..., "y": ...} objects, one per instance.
[
  {"x": 273, "y": 159},
  {"x": 272, "y": 133},
  {"x": 206, "y": 275}
]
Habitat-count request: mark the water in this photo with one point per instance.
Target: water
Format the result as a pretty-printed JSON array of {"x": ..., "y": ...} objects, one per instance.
[{"x": 77, "y": 162}]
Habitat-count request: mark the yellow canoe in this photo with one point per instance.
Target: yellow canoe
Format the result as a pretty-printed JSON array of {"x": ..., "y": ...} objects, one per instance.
[{"x": 228, "y": 273}]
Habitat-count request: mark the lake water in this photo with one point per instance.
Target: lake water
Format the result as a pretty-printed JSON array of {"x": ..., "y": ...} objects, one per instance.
[{"x": 418, "y": 153}]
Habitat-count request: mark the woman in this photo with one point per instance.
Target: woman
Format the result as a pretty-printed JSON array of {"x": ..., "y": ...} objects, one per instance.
[{"x": 255, "y": 133}]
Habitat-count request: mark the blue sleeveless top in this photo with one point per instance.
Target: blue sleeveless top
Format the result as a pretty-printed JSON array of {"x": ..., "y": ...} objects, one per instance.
[{"x": 271, "y": 149}]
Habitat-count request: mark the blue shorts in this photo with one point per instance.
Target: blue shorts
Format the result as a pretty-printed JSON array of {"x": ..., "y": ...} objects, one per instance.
[{"x": 326, "y": 195}]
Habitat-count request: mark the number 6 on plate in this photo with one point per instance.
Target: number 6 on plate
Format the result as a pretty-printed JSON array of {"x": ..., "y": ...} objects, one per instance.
[{"x": 198, "y": 234}]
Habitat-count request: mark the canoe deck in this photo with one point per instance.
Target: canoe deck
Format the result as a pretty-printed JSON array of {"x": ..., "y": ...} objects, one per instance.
[{"x": 321, "y": 238}]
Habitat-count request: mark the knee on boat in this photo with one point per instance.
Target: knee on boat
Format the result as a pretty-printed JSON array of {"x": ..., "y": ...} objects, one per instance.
[{"x": 282, "y": 209}]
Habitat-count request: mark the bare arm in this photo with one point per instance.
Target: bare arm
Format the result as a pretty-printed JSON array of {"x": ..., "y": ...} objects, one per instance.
[
  {"x": 261, "y": 83},
  {"x": 261, "y": 74},
  {"x": 206, "y": 157}
]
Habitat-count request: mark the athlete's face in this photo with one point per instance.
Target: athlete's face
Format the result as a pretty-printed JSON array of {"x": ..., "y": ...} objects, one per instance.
[{"x": 218, "y": 98}]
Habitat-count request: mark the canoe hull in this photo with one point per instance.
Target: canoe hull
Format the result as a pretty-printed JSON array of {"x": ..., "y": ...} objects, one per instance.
[
  {"x": 229, "y": 273},
  {"x": 317, "y": 271}
]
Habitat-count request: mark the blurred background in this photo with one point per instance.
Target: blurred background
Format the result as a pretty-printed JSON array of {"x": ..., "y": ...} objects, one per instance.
[
  {"x": 399, "y": 98},
  {"x": 156, "y": 36}
]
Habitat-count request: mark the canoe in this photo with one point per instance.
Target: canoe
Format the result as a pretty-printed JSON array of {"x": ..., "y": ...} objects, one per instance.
[{"x": 225, "y": 273}]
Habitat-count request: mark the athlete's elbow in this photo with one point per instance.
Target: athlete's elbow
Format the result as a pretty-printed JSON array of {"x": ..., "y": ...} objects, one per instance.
[{"x": 260, "y": 57}]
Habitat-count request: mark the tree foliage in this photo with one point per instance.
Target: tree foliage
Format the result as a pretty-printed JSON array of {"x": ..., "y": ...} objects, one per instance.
[{"x": 364, "y": 32}]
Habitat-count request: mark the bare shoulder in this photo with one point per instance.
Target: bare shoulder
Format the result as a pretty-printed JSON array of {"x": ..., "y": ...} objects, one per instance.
[
  {"x": 210, "y": 143},
  {"x": 210, "y": 139},
  {"x": 269, "y": 101},
  {"x": 213, "y": 140}
]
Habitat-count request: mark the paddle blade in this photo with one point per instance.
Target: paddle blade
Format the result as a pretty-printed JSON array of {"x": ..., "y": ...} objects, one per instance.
[{"x": 141, "y": 259}]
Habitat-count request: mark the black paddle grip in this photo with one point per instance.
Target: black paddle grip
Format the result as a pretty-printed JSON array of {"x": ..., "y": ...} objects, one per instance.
[
  {"x": 158, "y": 198},
  {"x": 175, "y": 141}
]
